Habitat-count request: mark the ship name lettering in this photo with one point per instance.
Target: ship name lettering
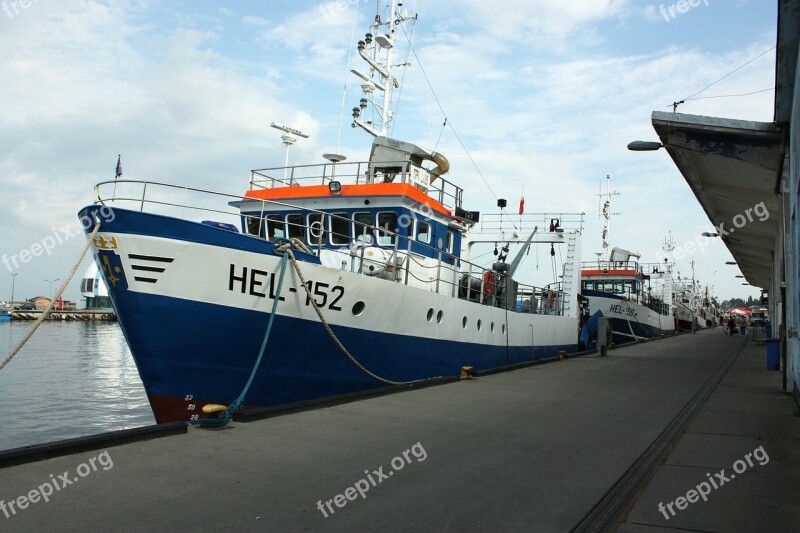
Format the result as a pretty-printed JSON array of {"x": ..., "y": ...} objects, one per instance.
[
  {"x": 617, "y": 308},
  {"x": 263, "y": 284},
  {"x": 250, "y": 280}
]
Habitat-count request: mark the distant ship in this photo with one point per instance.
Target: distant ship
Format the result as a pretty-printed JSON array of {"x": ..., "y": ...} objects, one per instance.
[{"x": 620, "y": 288}]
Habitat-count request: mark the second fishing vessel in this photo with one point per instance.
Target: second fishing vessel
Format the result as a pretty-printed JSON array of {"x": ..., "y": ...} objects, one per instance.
[{"x": 635, "y": 296}]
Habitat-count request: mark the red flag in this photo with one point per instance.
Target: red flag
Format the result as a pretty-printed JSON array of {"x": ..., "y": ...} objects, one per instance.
[{"x": 521, "y": 205}]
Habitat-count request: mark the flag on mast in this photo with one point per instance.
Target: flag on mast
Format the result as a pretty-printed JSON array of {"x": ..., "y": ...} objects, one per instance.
[
  {"x": 119, "y": 166},
  {"x": 522, "y": 202}
]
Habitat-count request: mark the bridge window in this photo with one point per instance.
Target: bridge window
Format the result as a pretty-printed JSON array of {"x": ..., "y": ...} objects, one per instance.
[
  {"x": 295, "y": 226},
  {"x": 423, "y": 232},
  {"x": 630, "y": 287},
  {"x": 275, "y": 229},
  {"x": 340, "y": 228},
  {"x": 316, "y": 229},
  {"x": 362, "y": 227},
  {"x": 388, "y": 223},
  {"x": 255, "y": 226}
]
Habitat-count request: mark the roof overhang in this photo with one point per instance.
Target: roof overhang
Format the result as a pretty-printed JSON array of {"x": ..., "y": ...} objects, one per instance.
[
  {"x": 786, "y": 58},
  {"x": 733, "y": 168}
]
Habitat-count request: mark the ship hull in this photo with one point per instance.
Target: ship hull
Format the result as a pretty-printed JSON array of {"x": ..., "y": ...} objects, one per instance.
[
  {"x": 194, "y": 302},
  {"x": 630, "y": 322}
]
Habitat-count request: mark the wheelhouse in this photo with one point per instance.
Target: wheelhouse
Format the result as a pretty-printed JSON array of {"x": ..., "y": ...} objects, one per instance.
[{"x": 620, "y": 277}]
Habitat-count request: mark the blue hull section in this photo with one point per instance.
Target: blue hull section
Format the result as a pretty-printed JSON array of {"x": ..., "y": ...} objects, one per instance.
[
  {"x": 624, "y": 330},
  {"x": 206, "y": 352},
  {"x": 621, "y": 331}
]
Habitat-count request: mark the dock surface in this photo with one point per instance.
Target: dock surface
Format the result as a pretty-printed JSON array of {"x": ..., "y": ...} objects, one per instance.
[{"x": 530, "y": 450}]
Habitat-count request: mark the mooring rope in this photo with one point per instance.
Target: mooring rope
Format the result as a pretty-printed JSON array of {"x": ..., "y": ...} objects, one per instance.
[
  {"x": 46, "y": 312},
  {"x": 286, "y": 249},
  {"x": 238, "y": 403}
]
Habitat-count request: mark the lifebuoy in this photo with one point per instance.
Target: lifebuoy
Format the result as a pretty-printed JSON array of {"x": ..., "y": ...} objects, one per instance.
[
  {"x": 489, "y": 283},
  {"x": 551, "y": 297}
]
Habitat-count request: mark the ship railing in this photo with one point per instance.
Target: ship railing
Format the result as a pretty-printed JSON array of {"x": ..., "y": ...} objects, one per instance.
[
  {"x": 361, "y": 172},
  {"x": 190, "y": 203},
  {"x": 423, "y": 265},
  {"x": 526, "y": 222},
  {"x": 441, "y": 271},
  {"x": 653, "y": 268},
  {"x": 631, "y": 267}
]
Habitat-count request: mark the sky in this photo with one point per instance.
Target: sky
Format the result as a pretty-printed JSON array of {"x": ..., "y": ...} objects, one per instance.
[{"x": 543, "y": 94}]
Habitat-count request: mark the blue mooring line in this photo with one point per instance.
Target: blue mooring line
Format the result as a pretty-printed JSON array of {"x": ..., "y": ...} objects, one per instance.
[{"x": 237, "y": 404}]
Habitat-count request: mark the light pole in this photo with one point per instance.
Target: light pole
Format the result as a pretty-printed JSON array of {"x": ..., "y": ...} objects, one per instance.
[
  {"x": 51, "y": 281},
  {"x": 13, "y": 282}
]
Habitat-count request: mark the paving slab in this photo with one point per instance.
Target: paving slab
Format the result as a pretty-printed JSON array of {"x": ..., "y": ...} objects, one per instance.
[{"x": 747, "y": 440}]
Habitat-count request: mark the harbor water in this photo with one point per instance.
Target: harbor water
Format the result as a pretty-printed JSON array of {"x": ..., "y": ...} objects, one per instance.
[{"x": 71, "y": 379}]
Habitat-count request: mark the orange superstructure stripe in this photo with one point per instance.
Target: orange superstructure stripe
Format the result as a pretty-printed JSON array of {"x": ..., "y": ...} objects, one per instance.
[{"x": 369, "y": 189}]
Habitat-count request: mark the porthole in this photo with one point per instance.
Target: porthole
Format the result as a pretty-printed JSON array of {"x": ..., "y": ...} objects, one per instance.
[
  {"x": 439, "y": 317},
  {"x": 464, "y": 322},
  {"x": 503, "y": 329},
  {"x": 430, "y": 314},
  {"x": 480, "y": 324},
  {"x": 491, "y": 327},
  {"x": 358, "y": 308}
]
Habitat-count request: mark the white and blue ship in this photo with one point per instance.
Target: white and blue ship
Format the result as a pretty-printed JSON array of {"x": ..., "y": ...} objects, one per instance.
[
  {"x": 636, "y": 298},
  {"x": 384, "y": 248}
]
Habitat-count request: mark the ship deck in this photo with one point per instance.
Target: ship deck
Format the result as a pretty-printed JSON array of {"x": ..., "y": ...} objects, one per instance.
[{"x": 586, "y": 442}]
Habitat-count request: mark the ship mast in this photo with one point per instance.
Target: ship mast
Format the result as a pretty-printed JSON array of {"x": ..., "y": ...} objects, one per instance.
[
  {"x": 377, "y": 50},
  {"x": 668, "y": 247},
  {"x": 605, "y": 212},
  {"x": 666, "y": 279}
]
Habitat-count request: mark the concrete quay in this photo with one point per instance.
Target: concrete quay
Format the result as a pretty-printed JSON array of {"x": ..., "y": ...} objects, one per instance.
[
  {"x": 77, "y": 315},
  {"x": 536, "y": 449}
]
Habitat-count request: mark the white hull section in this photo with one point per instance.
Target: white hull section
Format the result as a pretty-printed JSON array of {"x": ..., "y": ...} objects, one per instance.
[{"x": 246, "y": 280}]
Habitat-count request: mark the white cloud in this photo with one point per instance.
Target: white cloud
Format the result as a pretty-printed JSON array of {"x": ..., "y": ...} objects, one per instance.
[
  {"x": 544, "y": 23},
  {"x": 188, "y": 98}
]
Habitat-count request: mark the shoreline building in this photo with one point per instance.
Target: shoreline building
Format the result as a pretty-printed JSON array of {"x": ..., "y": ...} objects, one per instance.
[{"x": 94, "y": 289}]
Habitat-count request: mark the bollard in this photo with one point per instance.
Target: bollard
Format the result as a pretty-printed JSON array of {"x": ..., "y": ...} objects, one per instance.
[{"x": 603, "y": 335}]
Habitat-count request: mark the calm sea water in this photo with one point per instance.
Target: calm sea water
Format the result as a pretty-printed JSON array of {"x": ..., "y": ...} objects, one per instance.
[{"x": 71, "y": 379}]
